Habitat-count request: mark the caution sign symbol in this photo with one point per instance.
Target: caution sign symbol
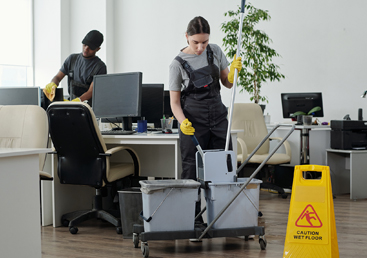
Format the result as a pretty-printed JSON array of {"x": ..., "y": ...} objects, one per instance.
[
  {"x": 309, "y": 218},
  {"x": 311, "y": 230}
]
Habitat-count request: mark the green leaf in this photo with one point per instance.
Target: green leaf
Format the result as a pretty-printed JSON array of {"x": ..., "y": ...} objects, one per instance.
[
  {"x": 315, "y": 109},
  {"x": 297, "y": 113},
  {"x": 256, "y": 52}
]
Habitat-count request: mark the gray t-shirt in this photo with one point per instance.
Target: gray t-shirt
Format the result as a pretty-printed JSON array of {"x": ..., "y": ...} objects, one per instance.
[
  {"x": 178, "y": 77},
  {"x": 83, "y": 67}
]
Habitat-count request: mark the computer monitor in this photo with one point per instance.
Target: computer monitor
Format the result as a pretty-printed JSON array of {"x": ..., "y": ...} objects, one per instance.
[
  {"x": 302, "y": 101},
  {"x": 167, "y": 111},
  {"x": 167, "y": 105},
  {"x": 20, "y": 96},
  {"x": 45, "y": 102},
  {"x": 117, "y": 97},
  {"x": 152, "y": 104}
]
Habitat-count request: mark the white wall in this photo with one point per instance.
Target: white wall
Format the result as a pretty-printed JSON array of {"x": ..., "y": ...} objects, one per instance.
[
  {"x": 321, "y": 43},
  {"x": 47, "y": 40},
  {"x": 149, "y": 34},
  {"x": 60, "y": 26},
  {"x": 86, "y": 15}
]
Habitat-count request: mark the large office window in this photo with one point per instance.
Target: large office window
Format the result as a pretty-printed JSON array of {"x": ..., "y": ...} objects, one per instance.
[{"x": 16, "y": 43}]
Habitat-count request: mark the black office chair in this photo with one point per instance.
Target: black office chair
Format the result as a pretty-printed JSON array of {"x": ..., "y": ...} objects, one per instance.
[{"x": 83, "y": 159}]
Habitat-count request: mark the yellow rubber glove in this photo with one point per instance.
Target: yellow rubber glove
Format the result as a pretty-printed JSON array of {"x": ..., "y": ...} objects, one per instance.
[
  {"x": 186, "y": 127},
  {"x": 236, "y": 64},
  {"x": 75, "y": 100},
  {"x": 49, "y": 87},
  {"x": 50, "y": 91}
]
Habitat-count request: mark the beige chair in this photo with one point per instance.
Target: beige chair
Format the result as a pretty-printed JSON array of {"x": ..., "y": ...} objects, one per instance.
[
  {"x": 249, "y": 117},
  {"x": 25, "y": 126},
  {"x": 83, "y": 159}
]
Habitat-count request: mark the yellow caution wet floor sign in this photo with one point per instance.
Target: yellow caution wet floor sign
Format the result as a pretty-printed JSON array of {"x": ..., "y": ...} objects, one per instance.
[{"x": 311, "y": 231}]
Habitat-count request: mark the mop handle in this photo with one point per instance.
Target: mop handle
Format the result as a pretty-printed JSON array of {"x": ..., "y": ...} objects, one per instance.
[
  {"x": 235, "y": 76},
  {"x": 248, "y": 182},
  {"x": 243, "y": 6},
  {"x": 197, "y": 145}
]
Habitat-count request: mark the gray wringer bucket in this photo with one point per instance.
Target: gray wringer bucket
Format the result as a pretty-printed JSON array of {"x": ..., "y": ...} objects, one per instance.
[{"x": 169, "y": 205}]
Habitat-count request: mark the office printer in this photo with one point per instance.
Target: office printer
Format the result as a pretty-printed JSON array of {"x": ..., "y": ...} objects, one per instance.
[{"x": 348, "y": 134}]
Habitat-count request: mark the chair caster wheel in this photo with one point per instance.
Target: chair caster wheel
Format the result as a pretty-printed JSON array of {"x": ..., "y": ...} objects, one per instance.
[
  {"x": 136, "y": 240},
  {"x": 262, "y": 242},
  {"x": 65, "y": 222},
  {"x": 73, "y": 230},
  {"x": 284, "y": 196},
  {"x": 145, "y": 249}
]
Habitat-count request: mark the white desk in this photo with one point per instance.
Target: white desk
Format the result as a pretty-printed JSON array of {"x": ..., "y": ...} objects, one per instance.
[
  {"x": 348, "y": 172},
  {"x": 161, "y": 150},
  {"x": 159, "y": 153},
  {"x": 159, "y": 156},
  {"x": 20, "y": 202}
]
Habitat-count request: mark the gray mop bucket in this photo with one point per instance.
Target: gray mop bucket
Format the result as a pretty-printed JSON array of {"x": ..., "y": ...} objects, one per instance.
[{"x": 169, "y": 205}]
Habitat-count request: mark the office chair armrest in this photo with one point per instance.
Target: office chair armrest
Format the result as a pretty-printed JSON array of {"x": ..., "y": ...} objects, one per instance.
[
  {"x": 53, "y": 151},
  {"x": 109, "y": 152},
  {"x": 45, "y": 176},
  {"x": 132, "y": 153},
  {"x": 286, "y": 145},
  {"x": 242, "y": 149}
]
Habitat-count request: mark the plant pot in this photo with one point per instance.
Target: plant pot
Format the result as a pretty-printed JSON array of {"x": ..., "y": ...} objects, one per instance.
[
  {"x": 307, "y": 120},
  {"x": 299, "y": 120}
]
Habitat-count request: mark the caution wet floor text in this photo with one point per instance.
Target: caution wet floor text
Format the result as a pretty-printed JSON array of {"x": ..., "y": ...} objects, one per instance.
[{"x": 311, "y": 230}]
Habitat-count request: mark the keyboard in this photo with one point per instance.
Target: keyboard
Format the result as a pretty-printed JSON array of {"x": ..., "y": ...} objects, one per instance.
[
  {"x": 117, "y": 132},
  {"x": 154, "y": 129}
]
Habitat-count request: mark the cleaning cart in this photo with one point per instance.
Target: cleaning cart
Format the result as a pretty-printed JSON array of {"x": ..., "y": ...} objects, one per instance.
[{"x": 169, "y": 205}]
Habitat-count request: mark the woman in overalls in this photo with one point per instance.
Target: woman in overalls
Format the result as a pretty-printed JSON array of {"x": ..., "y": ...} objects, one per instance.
[{"x": 195, "y": 94}]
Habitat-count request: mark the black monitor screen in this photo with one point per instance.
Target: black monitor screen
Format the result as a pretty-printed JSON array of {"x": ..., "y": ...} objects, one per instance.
[
  {"x": 167, "y": 105},
  {"x": 167, "y": 111},
  {"x": 20, "y": 96},
  {"x": 117, "y": 97},
  {"x": 303, "y": 101},
  {"x": 152, "y": 104}
]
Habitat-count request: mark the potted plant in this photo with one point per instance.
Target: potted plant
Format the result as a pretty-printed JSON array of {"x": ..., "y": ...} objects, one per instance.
[
  {"x": 256, "y": 54},
  {"x": 303, "y": 116}
]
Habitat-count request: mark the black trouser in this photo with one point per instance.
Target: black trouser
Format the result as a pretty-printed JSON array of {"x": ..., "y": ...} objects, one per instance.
[{"x": 209, "y": 118}]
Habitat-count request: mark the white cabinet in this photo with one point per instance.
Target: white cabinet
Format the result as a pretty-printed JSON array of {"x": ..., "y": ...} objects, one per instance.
[
  {"x": 348, "y": 173},
  {"x": 20, "y": 202}
]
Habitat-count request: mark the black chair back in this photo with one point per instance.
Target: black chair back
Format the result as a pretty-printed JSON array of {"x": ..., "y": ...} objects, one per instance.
[{"x": 78, "y": 146}]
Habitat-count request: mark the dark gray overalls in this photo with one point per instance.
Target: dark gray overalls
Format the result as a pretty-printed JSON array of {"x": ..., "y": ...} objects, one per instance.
[{"x": 202, "y": 105}]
